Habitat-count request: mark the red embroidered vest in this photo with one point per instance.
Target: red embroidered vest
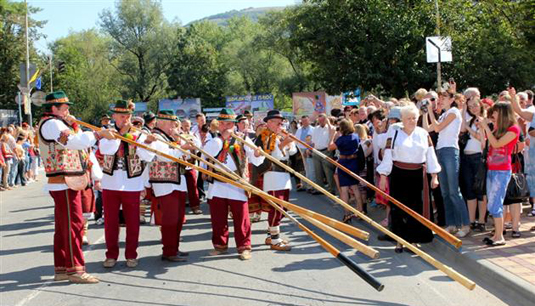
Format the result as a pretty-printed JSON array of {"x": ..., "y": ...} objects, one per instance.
[
  {"x": 124, "y": 159},
  {"x": 162, "y": 171},
  {"x": 58, "y": 160}
]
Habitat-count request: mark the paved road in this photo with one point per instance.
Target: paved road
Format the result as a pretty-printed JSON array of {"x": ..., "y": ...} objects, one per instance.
[{"x": 306, "y": 276}]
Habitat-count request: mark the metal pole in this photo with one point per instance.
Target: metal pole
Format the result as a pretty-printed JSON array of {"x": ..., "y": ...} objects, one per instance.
[
  {"x": 28, "y": 65},
  {"x": 51, "y": 73},
  {"x": 439, "y": 69},
  {"x": 20, "y": 108}
]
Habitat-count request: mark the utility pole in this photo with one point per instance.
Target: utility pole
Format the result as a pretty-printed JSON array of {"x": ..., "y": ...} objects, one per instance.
[
  {"x": 28, "y": 66},
  {"x": 439, "y": 70},
  {"x": 51, "y": 73}
]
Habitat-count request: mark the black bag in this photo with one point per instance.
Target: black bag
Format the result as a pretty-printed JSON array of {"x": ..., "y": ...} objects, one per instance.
[
  {"x": 463, "y": 140},
  {"x": 517, "y": 190},
  {"x": 480, "y": 180},
  {"x": 361, "y": 159}
]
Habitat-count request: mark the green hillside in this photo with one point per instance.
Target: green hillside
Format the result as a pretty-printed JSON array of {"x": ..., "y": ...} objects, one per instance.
[{"x": 253, "y": 13}]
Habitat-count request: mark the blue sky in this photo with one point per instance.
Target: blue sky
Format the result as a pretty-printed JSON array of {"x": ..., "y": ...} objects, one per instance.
[{"x": 74, "y": 15}]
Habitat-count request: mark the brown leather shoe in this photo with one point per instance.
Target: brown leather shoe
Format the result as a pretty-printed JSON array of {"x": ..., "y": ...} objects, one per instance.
[
  {"x": 216, "y": 252},
  {"x": 174, "y": 258},
  {"x": 245, "y": 255},
  {"x": 268, "y": 241},
  {"x": 109, "y": 263},
  {"x": 281, "y": 246},
  {"x": 131, "y": 263},
  {"x": 85, "y": 278},
  {"x": 61, "y": 277}
]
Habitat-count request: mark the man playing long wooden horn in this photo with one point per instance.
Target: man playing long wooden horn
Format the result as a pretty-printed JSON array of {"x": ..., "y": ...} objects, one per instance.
[
  {"x": 61, "y": 143},
  {"x": 169, "y": 184},
  {"x": 276, "y": 181},
  {"x": 224, "y": 196}
]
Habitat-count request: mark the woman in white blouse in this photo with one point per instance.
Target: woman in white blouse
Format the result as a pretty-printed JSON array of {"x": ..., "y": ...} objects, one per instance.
[
  {"x": 408, "y": 157},
  {"x": 448, "y": 127}
]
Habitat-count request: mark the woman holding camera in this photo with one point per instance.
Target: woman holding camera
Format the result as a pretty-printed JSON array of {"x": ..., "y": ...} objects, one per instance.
[
  {"x": 448, "y": 127},
  {"x": 502, "y": 141},
  {"x": 471, "y": 161}
]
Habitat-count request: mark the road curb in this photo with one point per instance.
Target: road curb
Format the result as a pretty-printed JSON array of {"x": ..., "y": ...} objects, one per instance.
[{"x": 521, "y": 290}]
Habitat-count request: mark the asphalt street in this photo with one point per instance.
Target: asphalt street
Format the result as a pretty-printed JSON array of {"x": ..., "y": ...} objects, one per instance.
[{"x": 307, "y": 275}]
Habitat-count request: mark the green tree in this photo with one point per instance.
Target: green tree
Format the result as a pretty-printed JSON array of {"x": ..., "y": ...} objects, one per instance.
[
  {"x": 142, "y": 47},
  {"x": 13, "y": 47},
  {"x": 372, "y": 43},
  {"x": 89, "y": 80},
  {"x": 197, "y": 69}
]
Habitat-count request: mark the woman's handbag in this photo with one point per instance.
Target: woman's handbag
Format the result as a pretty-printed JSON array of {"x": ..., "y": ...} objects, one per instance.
[
  {"x": 480, "y": 179},
  {"x": 517, "y": 190}
]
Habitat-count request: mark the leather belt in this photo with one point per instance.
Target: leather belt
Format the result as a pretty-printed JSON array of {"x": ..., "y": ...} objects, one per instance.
[{"x": 352, "y": 156}]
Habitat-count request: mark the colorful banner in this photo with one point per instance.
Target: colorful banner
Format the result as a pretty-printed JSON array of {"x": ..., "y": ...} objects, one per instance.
[
  {"x": 8, "y": 116},
  {"x": 251, "y": 103},
  {"x": 183, "y": 108},
  {"x": 308, "y": 104},
  {"x": 313, "y": 103}
]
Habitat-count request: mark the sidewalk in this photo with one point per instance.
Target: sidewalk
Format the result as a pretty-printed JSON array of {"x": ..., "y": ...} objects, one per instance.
[
  {"x": 510, "y": 267},
  {"x": 516, "y": 257}
]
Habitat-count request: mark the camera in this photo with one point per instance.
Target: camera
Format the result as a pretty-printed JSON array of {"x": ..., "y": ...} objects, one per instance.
[{"x": 424, "y": 104}]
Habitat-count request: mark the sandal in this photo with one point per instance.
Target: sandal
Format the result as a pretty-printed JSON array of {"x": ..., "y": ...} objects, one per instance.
[
  {"x": 492, "y": 243},
  {"x": 516, "y": 234},
  {"x": 347, "y": 218}
]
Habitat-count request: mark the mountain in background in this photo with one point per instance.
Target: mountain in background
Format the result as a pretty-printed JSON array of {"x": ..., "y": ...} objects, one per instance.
[{"x": 251, "y": 12}]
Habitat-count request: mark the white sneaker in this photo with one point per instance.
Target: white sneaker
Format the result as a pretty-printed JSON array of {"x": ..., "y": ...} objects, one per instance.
[
  {"x": 100, "y": 221},
  {"x": 451, "y": 229},
  {"x": 85, "y": 241},
  {"x": 463, "y": 233}
]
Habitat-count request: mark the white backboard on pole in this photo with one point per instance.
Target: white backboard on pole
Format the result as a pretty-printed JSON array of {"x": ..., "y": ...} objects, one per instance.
[{"x": 444, "y": 43}]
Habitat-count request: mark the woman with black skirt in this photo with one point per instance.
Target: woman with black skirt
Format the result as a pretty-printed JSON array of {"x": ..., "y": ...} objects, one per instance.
[{"x": 408, "y": 157}]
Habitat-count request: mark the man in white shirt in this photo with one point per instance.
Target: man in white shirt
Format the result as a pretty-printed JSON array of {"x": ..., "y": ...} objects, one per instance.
[
  {"x": 302, "y": 132},
  {"x": 224, "y": 196},
  {"x": 191, "y": 174},
  {"x": 169, "y": 184},
  {"x": 276, "y": 181},
  {"x": 201, "y": 120},
  {"x": 124, "y": 179},
  {"x": 321, "y": 137},
  {"x": 60, "y": 137}
]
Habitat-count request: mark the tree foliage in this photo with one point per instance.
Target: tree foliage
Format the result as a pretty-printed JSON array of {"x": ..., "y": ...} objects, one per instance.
[
  {"x": 13, "y": 47},
  {"x": 143, "y": 43},
  {"x": 89, "y": 80}
]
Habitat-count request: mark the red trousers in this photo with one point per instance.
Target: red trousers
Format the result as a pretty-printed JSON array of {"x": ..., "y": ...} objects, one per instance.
[
  {"x": 193, "y": 193},
  {"x": 219, "y": 209},
  {"x": 173, "y": 208},
  {"x": 69, "y": 223},
  {"x": 154, "y": 206},
  {"x": 88, "y": 200},
  {"x": 112, "y": 200},
  {"x": 274, "y": 216}
]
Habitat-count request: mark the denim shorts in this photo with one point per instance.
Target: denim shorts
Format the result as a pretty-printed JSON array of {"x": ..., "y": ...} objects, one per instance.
[{"x": 497, "y": 182}]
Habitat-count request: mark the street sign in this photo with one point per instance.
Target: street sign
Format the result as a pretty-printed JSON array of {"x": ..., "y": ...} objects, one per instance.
[
  {"x": 432, "y": 46},
  {"x": 33, "y": 69},
  {"x": 38, "y": 98}
]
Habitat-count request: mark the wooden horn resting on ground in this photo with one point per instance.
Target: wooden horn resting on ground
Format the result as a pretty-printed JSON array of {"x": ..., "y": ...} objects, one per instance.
[
  {"x": 437, "y": 229},
  {"x": 437, "y": 264},
  {"x": 327, "y": 246},
  {"x": 368, "y": 251}
]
